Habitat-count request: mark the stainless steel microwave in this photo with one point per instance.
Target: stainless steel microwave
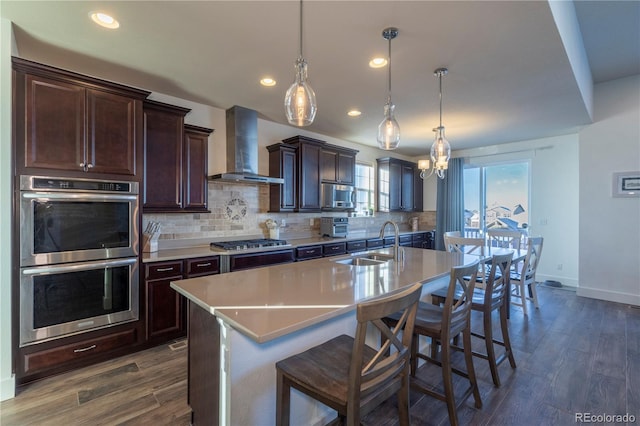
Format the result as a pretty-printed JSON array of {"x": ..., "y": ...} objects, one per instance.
[{"x": 338, "y": 197}]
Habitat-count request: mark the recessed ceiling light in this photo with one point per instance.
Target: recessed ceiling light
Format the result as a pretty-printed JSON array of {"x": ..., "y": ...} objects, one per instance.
[
  {"x": 268, "y": 81},
  {"x": 378, "y": 62},
  {"x": 354, "y": 113},
  {"x": 104, "y": 20}
]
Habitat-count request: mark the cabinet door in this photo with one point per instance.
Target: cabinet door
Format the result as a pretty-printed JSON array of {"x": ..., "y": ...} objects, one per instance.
[
  {"x": 164, "y": 313},
  {"x": 309, "y": 160},
  {"x": 195, "y": 171},
  {"x": 328, "y": 166},
  {"x": 163, "y": 132},
  {"x": 55, "y": 126},
  {"x": 407, "y": 198},
  {"x": 346, "y": 167},
  {"x": 395, "y": 186},
  {"x": 111, "y": 140},
  {"x": 282, "y": 164}
]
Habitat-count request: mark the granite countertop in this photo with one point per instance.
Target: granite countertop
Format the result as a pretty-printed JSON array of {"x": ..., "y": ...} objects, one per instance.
[
  {"x": 204, "y": 250},
  {"x": 270, "y": 302}
]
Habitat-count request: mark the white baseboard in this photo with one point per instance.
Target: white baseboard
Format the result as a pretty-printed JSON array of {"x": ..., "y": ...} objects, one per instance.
[
  {"x": 611, "y": 296},
  {"x": 7, "y": 388},
  {"x": 566, "y": 282}
]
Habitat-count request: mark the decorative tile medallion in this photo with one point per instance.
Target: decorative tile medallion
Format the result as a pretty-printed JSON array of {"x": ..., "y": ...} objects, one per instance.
[{"x": 236, "y": 210}]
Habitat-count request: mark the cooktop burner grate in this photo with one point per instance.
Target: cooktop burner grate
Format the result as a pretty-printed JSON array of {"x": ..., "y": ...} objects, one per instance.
[{"x": 248, "y": 244}]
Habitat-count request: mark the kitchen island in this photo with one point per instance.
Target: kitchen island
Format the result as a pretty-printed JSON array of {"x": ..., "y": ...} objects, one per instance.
[{"x": 242, "y": 323}]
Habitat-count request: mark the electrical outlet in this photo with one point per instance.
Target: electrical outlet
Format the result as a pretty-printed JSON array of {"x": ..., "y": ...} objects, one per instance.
[
  {"x": 283, "y": 223},
  {"x": 543, "y": 221},
  {"x": 311, "y": 221},
  {"x": 559, "y": 267}
]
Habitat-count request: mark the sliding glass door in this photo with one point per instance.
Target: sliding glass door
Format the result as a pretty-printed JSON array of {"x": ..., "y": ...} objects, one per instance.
[{"x": 496, "y": 196}]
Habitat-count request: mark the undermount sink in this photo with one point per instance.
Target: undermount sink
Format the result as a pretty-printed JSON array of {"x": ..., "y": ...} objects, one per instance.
[{"x": 367, "y": 260}]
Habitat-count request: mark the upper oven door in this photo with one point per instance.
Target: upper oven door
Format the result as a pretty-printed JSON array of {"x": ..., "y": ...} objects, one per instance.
[{"x": 60, "y": 227}]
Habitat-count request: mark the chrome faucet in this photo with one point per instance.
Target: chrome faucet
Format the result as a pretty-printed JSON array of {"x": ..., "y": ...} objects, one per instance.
[{"x": 398, "y": 253}]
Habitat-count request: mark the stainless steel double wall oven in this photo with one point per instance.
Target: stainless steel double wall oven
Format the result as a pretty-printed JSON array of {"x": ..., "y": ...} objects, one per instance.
[{"x": 78, "y": 256}]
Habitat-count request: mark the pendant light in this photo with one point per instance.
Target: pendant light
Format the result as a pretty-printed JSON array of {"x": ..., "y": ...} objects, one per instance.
[
  {"x": 389, "y": 130},
  {"x": 300, "y": 100},
  {"x": 440, "y": 150}
]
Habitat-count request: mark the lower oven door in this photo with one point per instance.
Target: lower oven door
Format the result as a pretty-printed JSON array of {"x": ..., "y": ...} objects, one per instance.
[{"x": 65, "y": 299}]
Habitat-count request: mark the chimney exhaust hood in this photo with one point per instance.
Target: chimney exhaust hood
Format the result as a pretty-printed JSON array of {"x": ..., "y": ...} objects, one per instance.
[{"x": 242, "y": 149}]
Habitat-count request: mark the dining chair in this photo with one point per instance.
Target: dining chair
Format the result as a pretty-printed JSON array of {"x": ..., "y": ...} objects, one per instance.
[
  {"x": 442, "y": 324},
  {"x": 504, "y": 238},
  {"x": 487, "y": 300},
  {"x": 523, "y": 279},
  {"x": 349, "y": 376}
]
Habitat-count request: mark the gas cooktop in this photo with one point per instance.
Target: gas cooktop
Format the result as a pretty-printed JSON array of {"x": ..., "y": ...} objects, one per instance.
[{"x": 247, "y": 244}]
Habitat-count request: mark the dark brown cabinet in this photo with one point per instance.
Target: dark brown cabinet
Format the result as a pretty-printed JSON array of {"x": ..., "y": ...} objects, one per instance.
[
  {"x": 307, "y": 171},
  {"x": 282, "y": 164},
  {"x": 338, "y": 165},
  {"x": 308, "y": 252},
  {"x": 334, "y": 249},
  {"x": 398, "y": 186},
  {"x": 165, "y": 310},
  {"x": 175, "y": 161},
  {"x": 73, "y": 123},
  {"x": 238, "y": 262},
  {"x": 194, "y": 176}
]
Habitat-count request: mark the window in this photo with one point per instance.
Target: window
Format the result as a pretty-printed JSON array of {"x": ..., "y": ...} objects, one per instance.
[
  {"x": 364, "y": 189},
  {"x": 503, "y": 190}
]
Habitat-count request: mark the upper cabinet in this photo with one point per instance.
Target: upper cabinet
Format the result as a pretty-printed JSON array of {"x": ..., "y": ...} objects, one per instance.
[
  {"x": 175, "y": 161},
  {"x": 282, "y": 164},
  {"x": 399, "y": 186},
  {"x": 338, "y": 165},
  {"x": 74, "y": 124},
  {"x": 308, "y": 152}
]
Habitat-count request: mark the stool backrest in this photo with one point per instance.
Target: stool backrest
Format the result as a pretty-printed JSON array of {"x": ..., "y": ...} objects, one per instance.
[
  {"x": 498, "y": 280},
  {"x": 457, "y": 307},
  {"x": 382, "y": 375}
]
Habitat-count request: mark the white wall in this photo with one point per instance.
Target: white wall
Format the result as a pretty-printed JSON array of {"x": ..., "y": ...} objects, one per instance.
[
  {"x": 7, "y": 383},
  {"x": 610, "y": 227},
  {"x": 553, "y": 198}
]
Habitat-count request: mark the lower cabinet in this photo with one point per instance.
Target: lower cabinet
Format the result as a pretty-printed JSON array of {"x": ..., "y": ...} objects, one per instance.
[
  {"x": 166, "y": 309},
  {"x": 165, "y": 318},
  {"x": 334, "y": 249},
  {"x": 238, "y": 262}
]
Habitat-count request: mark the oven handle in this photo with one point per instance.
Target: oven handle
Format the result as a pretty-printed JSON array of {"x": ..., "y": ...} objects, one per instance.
[
  {"x": 70, "y": 267},
  {"x": 77, "y": 196}
]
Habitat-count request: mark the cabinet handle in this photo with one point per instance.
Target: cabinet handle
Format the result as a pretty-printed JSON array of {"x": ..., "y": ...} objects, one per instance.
[
  {"x": 88, "y": 348},
  {"x": 164, "y": 269},
  {"x": 202, "y": 265}
]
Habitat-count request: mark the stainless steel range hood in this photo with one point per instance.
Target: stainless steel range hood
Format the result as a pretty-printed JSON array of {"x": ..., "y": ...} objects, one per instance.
[{"x": 242, "y": 149}]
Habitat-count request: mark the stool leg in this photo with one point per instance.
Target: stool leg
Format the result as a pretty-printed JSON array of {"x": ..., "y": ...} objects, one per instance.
[
  {"x": 445, "y": 352},
  {"x": 534, "y": 295},
  {"x": 491, "y": 353},
  {"x": 283, "y": 400},
  {"x": 468, "y": 357},
  {"x": 505, "y": 335}
]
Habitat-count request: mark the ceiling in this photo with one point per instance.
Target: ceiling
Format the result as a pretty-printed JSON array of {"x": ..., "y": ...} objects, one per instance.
[{"x": 509, "y": 77}]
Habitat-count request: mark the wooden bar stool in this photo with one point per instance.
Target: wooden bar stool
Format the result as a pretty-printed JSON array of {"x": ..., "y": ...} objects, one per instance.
[
  {"x": 441, "y": 324},
  {"x": 487, "y": 300},
  {"x": 349, "y": 376}
]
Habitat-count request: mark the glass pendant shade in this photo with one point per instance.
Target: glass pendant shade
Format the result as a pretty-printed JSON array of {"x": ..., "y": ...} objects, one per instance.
[
  {"x": 389, "y": 130},
  {"x": 440, "y": 153},
  {"x": 300, "y": 100}
]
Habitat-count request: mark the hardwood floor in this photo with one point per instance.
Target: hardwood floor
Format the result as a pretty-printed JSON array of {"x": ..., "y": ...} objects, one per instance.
[{"x": 574, "y": 355}]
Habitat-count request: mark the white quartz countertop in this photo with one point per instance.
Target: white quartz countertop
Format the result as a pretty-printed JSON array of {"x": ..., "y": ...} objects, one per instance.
[{"x": 269, "y": 302}]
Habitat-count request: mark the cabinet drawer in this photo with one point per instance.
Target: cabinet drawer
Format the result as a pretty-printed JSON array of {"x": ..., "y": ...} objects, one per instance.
[
  {"x": 419, "y": 237},
  {"x": 354, "y": 246},
  {"x": 160, "y": 270},
  {"x": 334, "y": 249},
  {"x": 75, "y": 351},
  {"x": 405, "y": 238},
  {"x": 202, "y": 266},
  {"x": 389, "y": 241},
  {"x": 238, "y": 262},
  {"x": 308, "y": 252},
  {"x": 374, "y": 243}
]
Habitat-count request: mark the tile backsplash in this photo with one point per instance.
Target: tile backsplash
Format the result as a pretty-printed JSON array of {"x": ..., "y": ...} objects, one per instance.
[{"x": 240, "y": 211}]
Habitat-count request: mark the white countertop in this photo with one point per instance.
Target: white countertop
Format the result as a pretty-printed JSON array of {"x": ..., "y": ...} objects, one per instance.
[{"x": 269, "y": 302}]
